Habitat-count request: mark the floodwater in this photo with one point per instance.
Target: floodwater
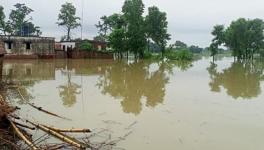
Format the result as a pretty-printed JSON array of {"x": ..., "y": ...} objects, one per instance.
[{"x": 149, "y": 105}]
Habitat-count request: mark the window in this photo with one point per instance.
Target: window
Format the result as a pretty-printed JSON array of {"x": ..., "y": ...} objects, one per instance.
[
  {"x": 63, "y": 47},
  {"x": 8, "y": 45},
  {"x": 28, "y": 45}
]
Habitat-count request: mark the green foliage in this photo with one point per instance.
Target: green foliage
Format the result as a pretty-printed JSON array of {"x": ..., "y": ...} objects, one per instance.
[
  {"x": 195, "y": 49},
  {"x": 243, "y": 37},
  {"x": 68, "y": 19},
  {"x": 157, "y": 27},
  {"x": 19, "y": 22},
  {"x": 180, "y": 45},
  {"x": 129, "y": 30},
  {"x": 99, "y": 38},
  {"x": 85, "y": 45},
  {"x": 3, "y": 24},
  {"x": 135, "y": 34},
  {"x": 179, "y": 55},
  {"x": 117, "y": 40}
]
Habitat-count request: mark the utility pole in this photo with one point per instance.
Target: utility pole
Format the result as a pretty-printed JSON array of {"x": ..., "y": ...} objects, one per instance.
[{"x": 82, "y": 20}]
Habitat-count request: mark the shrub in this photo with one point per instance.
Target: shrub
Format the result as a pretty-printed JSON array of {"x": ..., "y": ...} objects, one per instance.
[
  {"x": 85, "y": 45},
  {"x": 179, "y": 55}
]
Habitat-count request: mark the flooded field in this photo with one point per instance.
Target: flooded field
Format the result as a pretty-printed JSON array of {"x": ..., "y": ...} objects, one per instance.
[{"x": 150, "y": 105}]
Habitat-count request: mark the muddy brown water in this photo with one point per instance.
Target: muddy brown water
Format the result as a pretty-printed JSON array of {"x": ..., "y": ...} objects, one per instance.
[{"x": 158, "y": 105}]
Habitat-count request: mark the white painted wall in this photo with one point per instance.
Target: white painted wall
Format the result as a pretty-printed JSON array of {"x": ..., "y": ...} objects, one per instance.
[{"x": 67, "y": 45}]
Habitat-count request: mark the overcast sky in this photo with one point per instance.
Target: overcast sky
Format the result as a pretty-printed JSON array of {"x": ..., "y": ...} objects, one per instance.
[{"x": 189, "y": 20}]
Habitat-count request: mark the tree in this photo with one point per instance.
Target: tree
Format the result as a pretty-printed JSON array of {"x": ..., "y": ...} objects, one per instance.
[
  {"x": 244, "y": 37},
  {"x": 219, "y": 38},
  {"x": 195, "y": 49},
  {"x": 157, "y": 27},
  {"x": 180, "y": 45},
  {"x": 213, "y": 49},
  {"x": 99, "y": 38},
  {"x": 117, "y": 41},
  {"x": 85, "y": 45},
  {"x": 18, "y": 17},
  {"x": 2, "y": 19},
  {"x": 136, "y": 40},
  {"x": 67, "y": 18}
]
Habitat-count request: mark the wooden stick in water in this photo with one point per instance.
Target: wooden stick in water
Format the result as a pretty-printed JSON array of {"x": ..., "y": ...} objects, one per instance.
[
  {"x": 69, "y": 130},
  {"x": 41, "y": 109},
  {"x": 24, "y": 126},
  {"x": 47, "y": 112},
  {"x": 58, "y": 135},
  {"x": 22, "y": 136}
]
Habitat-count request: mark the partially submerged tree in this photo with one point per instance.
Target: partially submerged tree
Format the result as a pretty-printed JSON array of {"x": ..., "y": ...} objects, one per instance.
[
  {"x": 157, "y": 27},
  {"x": 68, "y": 19},
  {"x": 219, "y": 38},
  {"x": 244, "y": 37},
  {"x": 136, "y": 39}
]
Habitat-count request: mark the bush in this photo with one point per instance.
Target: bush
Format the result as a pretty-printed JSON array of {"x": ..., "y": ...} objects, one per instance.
[
  {"x": 179, "y": 55},
  {"x": 86, "y": 46}
]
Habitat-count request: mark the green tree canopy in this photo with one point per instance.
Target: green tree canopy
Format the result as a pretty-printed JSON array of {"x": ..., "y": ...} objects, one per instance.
[
  {"x": 244, "y": 37},
  {"x": 157, "y": 27},
  {"x": 136, "y": 40},
  {"x": 180, "y": 45},
  {"x": 68, "y": 19}
]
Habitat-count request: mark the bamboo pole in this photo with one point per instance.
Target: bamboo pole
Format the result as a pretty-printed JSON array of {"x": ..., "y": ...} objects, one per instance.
[
  {"x": 58, "y": 135},
  {"x": 40, "y": 108},
  {"x": 47, "y": 112},
  {"x": 24, "y": 126},
  {"x": 23, "y": 137},
  {"x": 69, "y": 130}
]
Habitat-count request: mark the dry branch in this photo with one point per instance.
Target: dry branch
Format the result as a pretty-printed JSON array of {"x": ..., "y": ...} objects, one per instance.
[
  {"x": 40, "y": 108},
  {"x": 69, "y": 130},
  {"x": 24, "y": 126},
  {"x": 23, "y": 137},
  {"x": 60, "y": 136}
]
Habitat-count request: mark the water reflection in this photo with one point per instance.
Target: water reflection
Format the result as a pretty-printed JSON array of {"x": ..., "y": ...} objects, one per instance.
[
  {"x": 69, "y": 90},
  {"x": 241, "y": 80},
  {"x": 134, "y": 83}
]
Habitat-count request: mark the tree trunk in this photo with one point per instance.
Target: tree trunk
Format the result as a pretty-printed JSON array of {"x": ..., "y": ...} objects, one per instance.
[{"x": 68, "y": 34}]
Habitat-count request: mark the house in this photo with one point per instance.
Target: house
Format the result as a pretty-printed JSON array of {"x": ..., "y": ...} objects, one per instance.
[
  {"x": 75, "y": 44},
  {"x": 27, "y": 47},
  {"x": 65, "y": 45},
  {"x": 98, "y": 45}
]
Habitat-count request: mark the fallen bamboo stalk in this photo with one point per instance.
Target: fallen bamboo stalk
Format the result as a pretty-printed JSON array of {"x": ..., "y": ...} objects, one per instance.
[
  {"x": 24, "y": 126},
  {"x": 40, "y": 108},
  {"x": 69, "y": 130},
  {"x": 22, "y": 136},
  {"x": 58, "y": 135},
  {"x": 47, "y": 112}
]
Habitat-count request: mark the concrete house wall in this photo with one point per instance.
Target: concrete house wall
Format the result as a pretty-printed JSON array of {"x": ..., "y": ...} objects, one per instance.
[{"x": 15, "y": 45}]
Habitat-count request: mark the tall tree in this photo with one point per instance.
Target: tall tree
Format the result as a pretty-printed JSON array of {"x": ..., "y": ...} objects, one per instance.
[
  {"x": 157, "y": 27},
  {"x": 136, "y": 40},
  {"x": 219, "y": 38},
  {"x": 2, "y": 19},
  {"x": 18, "y": 17},
  {"x": 67, "y": 18},
  {"x": 117, "y": 37}
]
